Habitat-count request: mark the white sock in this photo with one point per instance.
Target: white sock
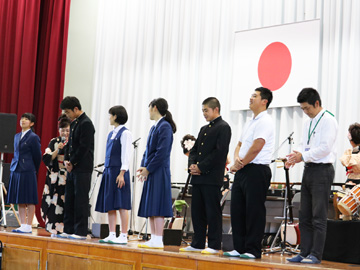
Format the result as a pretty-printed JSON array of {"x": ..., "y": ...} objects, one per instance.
[
  {"x": 112, "y": 235},
  {"x": 123, "y": 235}
]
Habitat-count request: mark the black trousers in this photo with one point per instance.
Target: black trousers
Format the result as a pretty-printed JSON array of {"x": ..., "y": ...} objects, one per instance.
[
  {"x": 206, "y": 213},
  {"x": 315, "y": 193},
  {"x": 248, "y": 212},
  {"x": 76, "y": 212}
]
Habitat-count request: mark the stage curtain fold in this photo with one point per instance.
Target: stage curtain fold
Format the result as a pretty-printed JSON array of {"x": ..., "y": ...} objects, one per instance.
[{"x": 33, "y": 42}]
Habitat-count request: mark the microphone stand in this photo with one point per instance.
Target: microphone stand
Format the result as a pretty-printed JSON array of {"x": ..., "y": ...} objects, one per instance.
[
  {"x": 92, "y": 190},
  {"x": 287, "y": 205},
  {"x": 132, "y": 221}
]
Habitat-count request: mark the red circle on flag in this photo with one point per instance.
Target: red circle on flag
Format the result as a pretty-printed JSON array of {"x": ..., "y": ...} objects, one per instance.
[{"x": 274, "y": 66}]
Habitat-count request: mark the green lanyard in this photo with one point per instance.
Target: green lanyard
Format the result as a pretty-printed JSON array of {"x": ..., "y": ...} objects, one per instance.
[{"x": 309, "y": 134}]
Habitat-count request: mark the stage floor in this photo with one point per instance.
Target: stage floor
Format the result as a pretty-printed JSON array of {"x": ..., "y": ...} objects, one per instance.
[{"x": 43, "y": 252}]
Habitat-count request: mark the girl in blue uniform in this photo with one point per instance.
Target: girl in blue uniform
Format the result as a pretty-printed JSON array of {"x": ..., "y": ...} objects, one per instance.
[
  {"x": 24, "y": 168},
  {"x": 155, "y": 172},
  {"x": 114, "y": 192}
]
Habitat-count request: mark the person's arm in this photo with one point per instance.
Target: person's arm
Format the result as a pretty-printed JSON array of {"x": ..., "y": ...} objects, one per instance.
[
  {"x": 237, "y": 161},
  {"x": 47, "y": 156},
  {"x": 253, "y": 151},
  {"x": 126, "y": 151},
  {"x": 163, "y": 148},
  {"x": 86, "y": 140},
  {"x": 327, "y": 140},
  {"x": 36, "y": 151}
]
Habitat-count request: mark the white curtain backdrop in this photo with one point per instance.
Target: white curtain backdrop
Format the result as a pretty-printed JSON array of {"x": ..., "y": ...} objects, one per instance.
[{"x": 182, "y": 50}]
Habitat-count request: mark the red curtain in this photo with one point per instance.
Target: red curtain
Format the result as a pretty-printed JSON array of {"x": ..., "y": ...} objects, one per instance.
[{"x": 33, "y": 42}]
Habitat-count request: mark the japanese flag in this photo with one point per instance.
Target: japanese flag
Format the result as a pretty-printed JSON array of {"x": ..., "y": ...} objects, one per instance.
[{"x": 283, "y": 58}]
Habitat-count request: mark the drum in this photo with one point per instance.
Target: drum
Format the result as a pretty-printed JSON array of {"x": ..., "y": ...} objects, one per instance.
[{"x": 350, "y": 203}]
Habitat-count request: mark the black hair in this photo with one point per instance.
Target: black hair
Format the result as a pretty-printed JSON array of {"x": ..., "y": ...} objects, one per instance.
[
  {"x": 354, "y": 130},
  {"x": 162, "y": 106},
  {"x": 31, "y": 117},
  {"x": 265, "y": 93},
  {"x": 70, "y": 103},
  {"x": 63, "y": 121},
  {"x": 120, "y": 113},
  {"x": 309, "y": 95},
  {"x": 212, "y": 102},
  {"x": 185, "y": 138}
]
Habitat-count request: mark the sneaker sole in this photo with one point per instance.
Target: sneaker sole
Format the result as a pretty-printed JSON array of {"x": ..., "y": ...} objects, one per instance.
[{"x": 194, "y": 251}]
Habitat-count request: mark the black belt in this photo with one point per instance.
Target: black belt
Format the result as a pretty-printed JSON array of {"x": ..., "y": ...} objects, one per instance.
[{"x": 311, "y": 164}]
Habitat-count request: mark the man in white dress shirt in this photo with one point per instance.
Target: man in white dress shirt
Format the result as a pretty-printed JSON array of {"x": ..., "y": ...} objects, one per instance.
[
  {"x": 252, "y": 179},
  {"x": 318, "y": 151}
]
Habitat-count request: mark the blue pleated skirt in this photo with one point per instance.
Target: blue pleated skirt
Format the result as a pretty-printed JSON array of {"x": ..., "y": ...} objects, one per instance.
[
  {"x": 22, "y": 188},
  {"x": 156, "y": 195},
  {"x": 111, "y": 197}
]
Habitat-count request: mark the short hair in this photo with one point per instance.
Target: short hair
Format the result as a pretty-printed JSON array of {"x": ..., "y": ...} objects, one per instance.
[
  {"x": 120, "y": 113},
  {"x": 70, "y": 103},
  {"x": 309, "y": 95},
  {"x": 29, "y": 116},
  {"x": 354, "y": 130},
  {"x": 184, "y": 139},
  {"x": 63, "y": 121},
  {"x": 212, "y": 102},
  {"x": 265, "y": 93}
]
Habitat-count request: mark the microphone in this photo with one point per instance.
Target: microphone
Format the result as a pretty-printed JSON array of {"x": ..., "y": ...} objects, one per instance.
[
  {"x": 134, "y": 142},
  {"x": 99, "y": 165},
  {"x": 291, "y": 135},
  {"x": 63, "y": 139}
]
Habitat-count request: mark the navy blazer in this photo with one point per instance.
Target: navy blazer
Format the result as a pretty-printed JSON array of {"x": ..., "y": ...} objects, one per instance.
[
  {"x": 158, "y": 147},
  {"x": 27, "y": 153}
]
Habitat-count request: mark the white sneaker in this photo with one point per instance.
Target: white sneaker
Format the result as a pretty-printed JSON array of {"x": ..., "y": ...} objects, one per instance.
[
  {"x": 247, "y": 256},
  {"x": 190, "y": 249},
  {"x": 62, "y": 235},
  {"x": 77, "y": 237},
  {"x": 232, "y": 253},
  {"x": 152, "y": 244},
  {"x": 119, "y": 240},
  {"x": 210, "y": 251},
  {"x": 107, "y": 239}
]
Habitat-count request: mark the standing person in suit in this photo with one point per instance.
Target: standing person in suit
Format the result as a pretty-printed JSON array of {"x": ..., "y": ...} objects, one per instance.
[
  {"x": 318, "y": 151},
  {"x": 115, "y": 193},
  {"x": 207, "y": 164},
  {"x": 155, "y": 172},
  {"x": 252, "y": 179},
  {"x": 79, "y": 162},
  {"x": 24, "y": 168}
]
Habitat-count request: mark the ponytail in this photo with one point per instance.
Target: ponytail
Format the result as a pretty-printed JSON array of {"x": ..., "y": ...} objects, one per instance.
[
  {"x": 162, "y": 106},
  {"x": 168, "y": 117}
]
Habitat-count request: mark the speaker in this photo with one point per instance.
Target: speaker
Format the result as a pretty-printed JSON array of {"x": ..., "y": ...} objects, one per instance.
[
  {"x": 6, "y": 174},
  {"x": 172, "y": 237},
  {"x": 101, "y": 230},
  {"x": 7, "y": 132}
]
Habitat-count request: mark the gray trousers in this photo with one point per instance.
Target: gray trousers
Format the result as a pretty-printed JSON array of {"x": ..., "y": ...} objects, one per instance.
[{"x": 315, "y": 193}]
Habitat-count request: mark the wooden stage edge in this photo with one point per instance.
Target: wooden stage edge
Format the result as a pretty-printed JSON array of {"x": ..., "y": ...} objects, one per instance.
[{"x": 39, "y": 251}]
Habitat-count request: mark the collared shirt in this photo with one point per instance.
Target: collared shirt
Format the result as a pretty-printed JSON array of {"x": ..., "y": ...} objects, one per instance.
[
  {"x": 260, "y": 127},
  {"x": 126, "y": 148},
  {"x": 321, "y": 133},
  {"x": 158, "y": 121},
  {"x": 23, "y": 133}
]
